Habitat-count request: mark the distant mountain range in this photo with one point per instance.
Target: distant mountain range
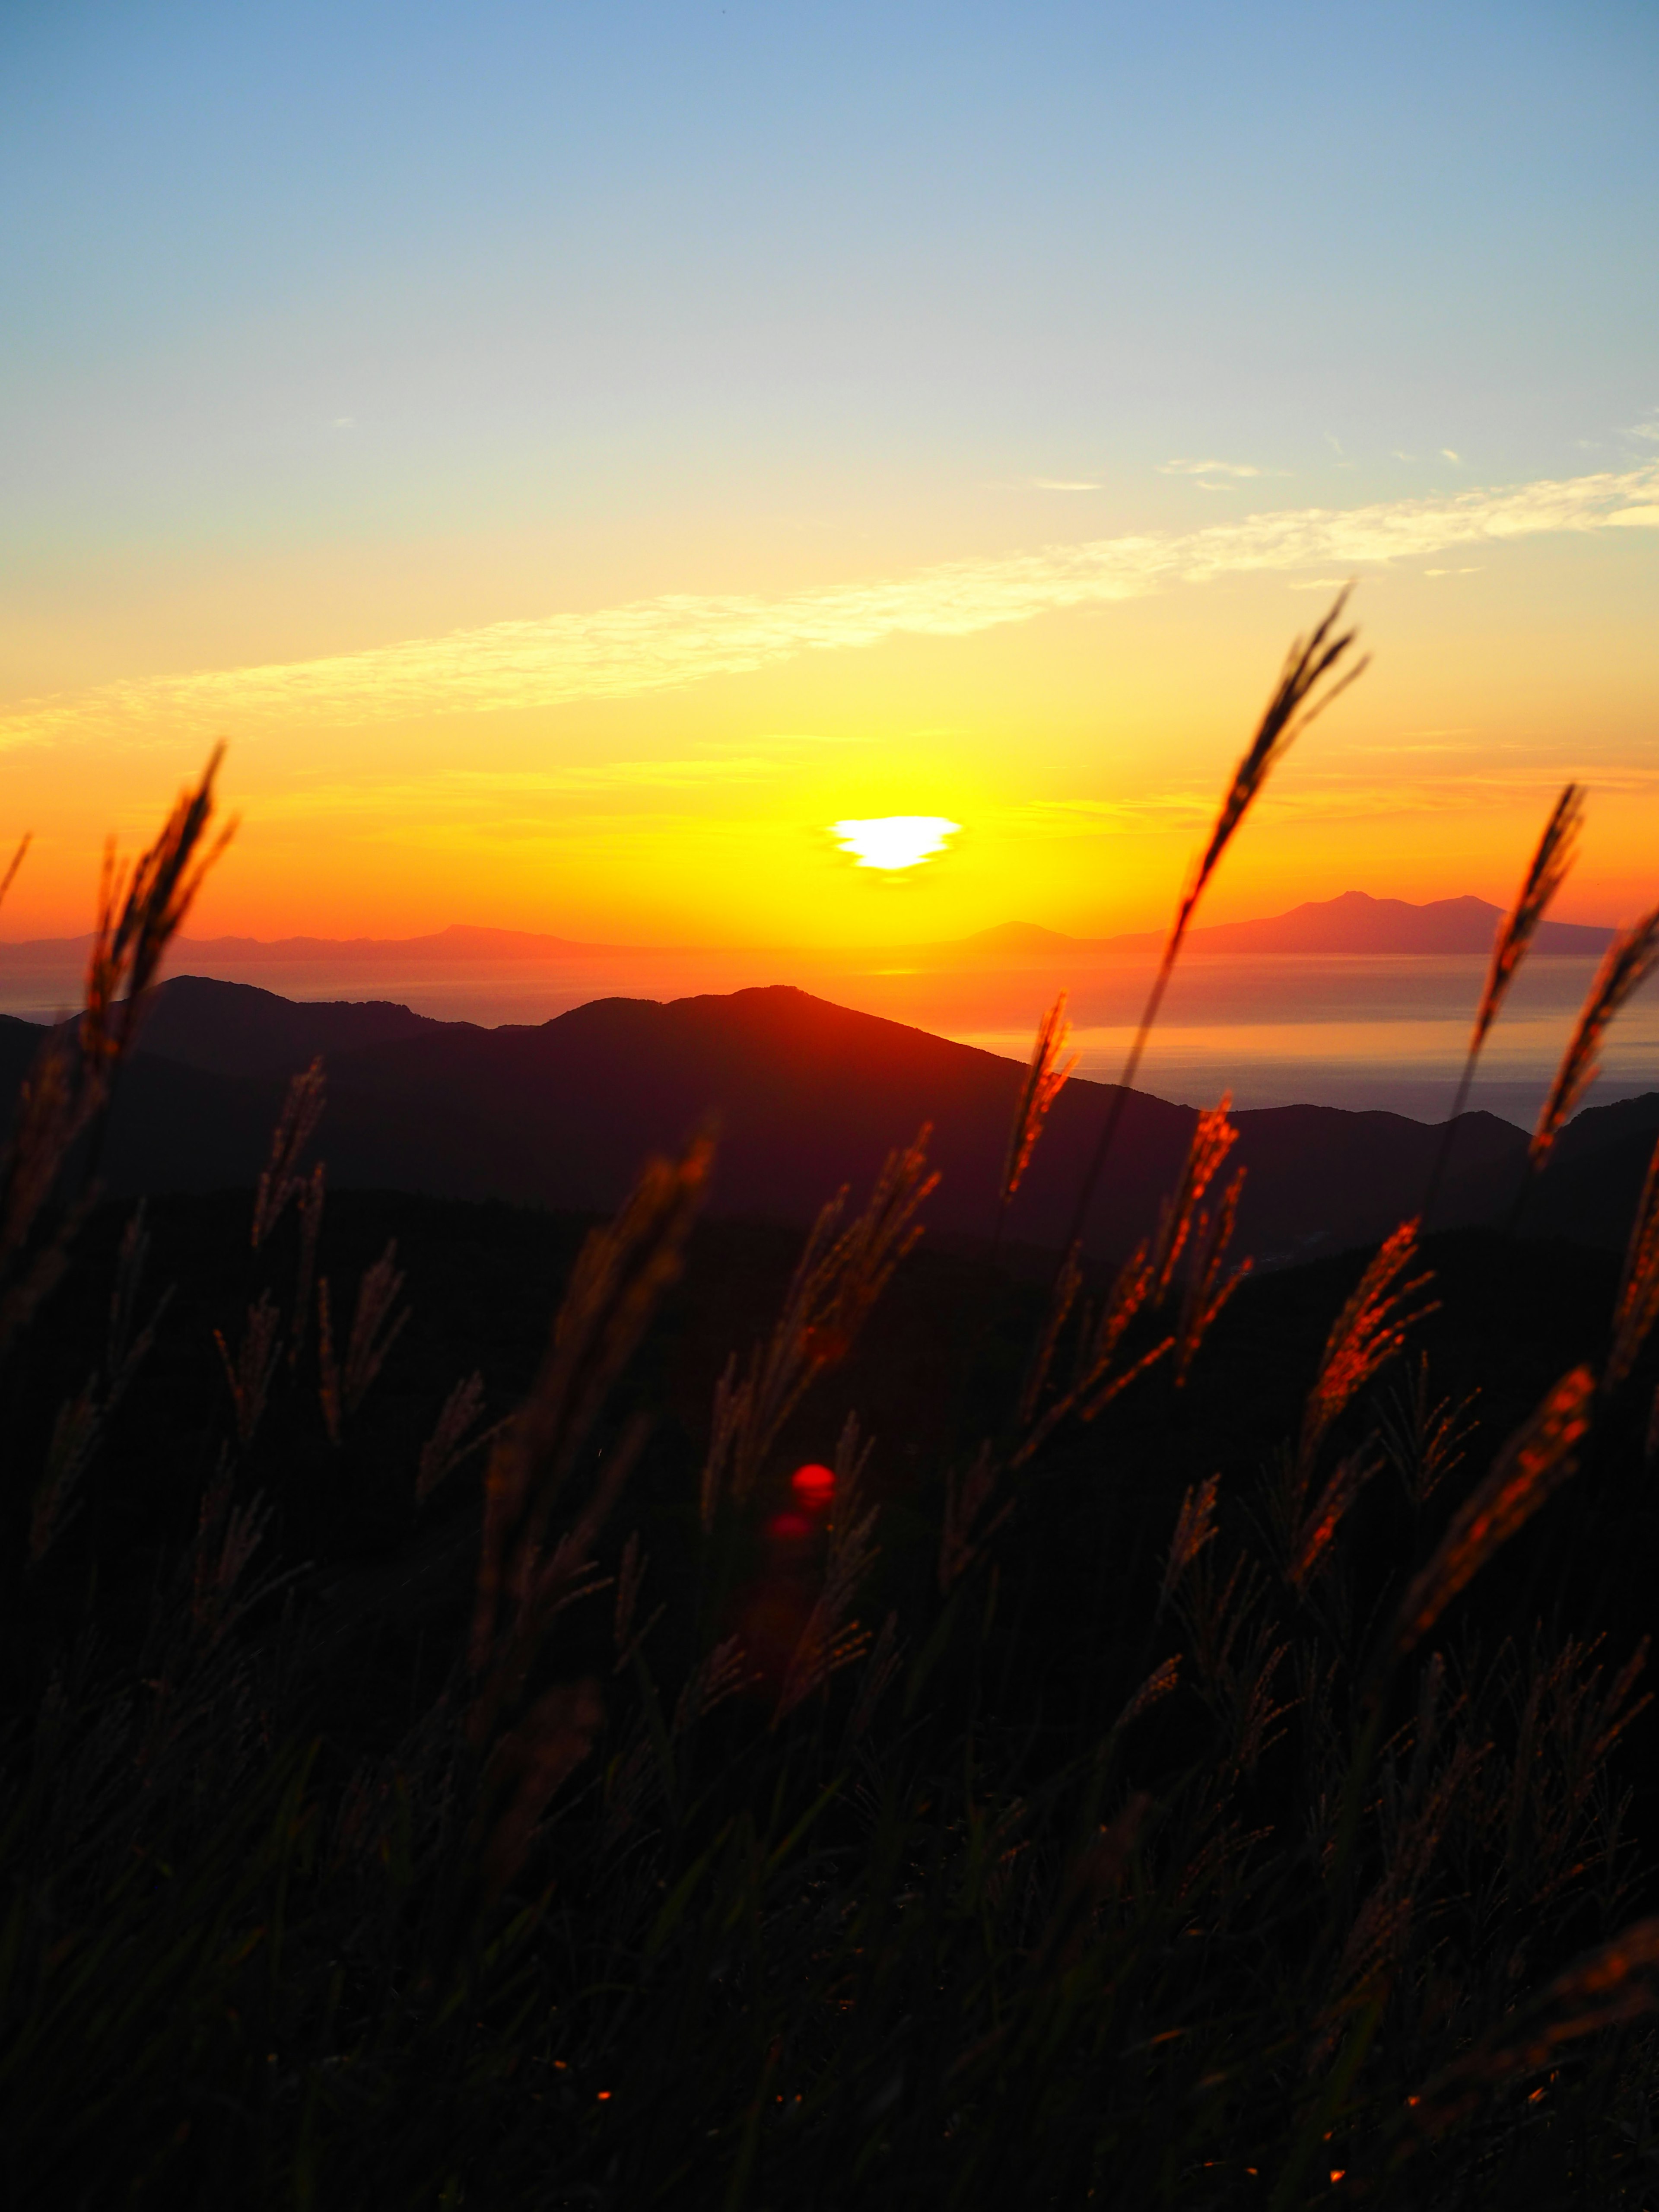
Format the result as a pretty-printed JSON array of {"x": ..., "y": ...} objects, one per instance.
[
  {"x": 808, "y": 1096},
  {"x": 1353, "y": 923}
]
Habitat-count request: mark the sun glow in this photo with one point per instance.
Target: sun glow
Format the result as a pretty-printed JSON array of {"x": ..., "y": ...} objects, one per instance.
[{"x": 894, "y": 841}]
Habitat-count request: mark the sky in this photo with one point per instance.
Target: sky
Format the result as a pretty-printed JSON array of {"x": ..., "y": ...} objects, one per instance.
[{"x": 577, "y": 455}]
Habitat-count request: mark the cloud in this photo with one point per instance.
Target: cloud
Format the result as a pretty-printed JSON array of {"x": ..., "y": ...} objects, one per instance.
[
  {"x": 1214, "y": 469},
  {"x": 1636, "y": 518},
  {"x": 1061, "y": 483},
  {"x": 654, "y": 644},
  {"x": 1447, "y": 454}
]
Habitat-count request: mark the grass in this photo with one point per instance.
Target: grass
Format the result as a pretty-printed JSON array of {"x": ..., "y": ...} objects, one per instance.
[{"x": 1188, "y": 1754}]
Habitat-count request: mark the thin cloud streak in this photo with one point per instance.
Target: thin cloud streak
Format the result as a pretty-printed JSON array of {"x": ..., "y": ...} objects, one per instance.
[{"x": 679, "y": 639}]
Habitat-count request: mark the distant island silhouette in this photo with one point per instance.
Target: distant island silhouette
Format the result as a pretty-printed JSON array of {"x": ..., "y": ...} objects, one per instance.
[{"x": 1353, "y": 923}]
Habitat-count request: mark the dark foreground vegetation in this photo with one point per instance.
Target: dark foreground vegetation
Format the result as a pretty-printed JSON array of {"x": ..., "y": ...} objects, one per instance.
[{"x": 857, "y": 1726}]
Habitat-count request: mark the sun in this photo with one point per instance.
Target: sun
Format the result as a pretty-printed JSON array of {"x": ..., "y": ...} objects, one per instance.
[{"x": 894, "y": 841}]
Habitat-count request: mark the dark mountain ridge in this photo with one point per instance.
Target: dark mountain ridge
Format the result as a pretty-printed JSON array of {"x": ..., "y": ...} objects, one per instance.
[{"x": 808, "y": 1095}]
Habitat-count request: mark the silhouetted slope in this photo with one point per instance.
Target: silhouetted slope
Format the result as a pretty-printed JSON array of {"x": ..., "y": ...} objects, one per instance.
[
  {"x": 236, "y": 1029},
  {"x": 807, "y": 1095}
]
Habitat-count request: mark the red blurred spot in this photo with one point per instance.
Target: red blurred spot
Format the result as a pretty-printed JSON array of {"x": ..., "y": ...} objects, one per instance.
[
  {"x": 788, "y": 1529},
  {"x": 814, "y": 1486}
]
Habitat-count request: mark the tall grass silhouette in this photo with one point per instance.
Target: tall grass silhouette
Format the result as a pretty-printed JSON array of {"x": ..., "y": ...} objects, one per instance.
[
  {"x": 1137, "y": 1805},
  {"x": 1297, "y": 700},
  {"x": 1543, "y": 879}
]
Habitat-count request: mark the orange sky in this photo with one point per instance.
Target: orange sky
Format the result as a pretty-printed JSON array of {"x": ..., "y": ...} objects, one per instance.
[
  {"x": 578, "y": 466},
  {"x": 1081, "y": 751}
]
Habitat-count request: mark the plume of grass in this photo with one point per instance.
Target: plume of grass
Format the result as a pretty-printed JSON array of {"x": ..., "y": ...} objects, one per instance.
[
  {"x": 529, "y": 1762},
  {"x": 1369, "y": 1332},
  {"x": 69, "y": 1088},
  {"x": 974, "y": 1511},
  {"x": 227, "y": 1535},
  {"x": 1213, "y": 1137},
  {"x": 1311, "y": 1545},
  {"x": 627, "y": 1633},
  {"x": 13, "y": 866},
  {"x": 1062, "y": 1300},
  {"x": 1210, "y": 1283},
  {"x": 1297, "y": 700},
  {"x": 1424, "y": 1442},
  {"x": 296, "y": 1125},
  {"x": 1144, "y": 1285},
  {"x": 618, "y": 1280},
  {"x": 1537, "y": 1460},
  {"x": 837, "y": 1279},
  {"x": 309, "y": 1202},
  {"x": 886, "y": 1655},
  {"x": 445, "y": 1448},
  {"x": 829, "y": 1640},
  {"x": 1099, "y": 1377},
  {"x": 1046, "y": 1077},
  {"x": 1613, "y": 1984},
  {"x": 1637, "y": 1307},
  {"x": 251, "y": 1373},
  {"x": 1162, "y": 1682},
  {"x": 1626, "y": 965},
  {"x": 73, "y": 1440},
  {"x": 141, "y": 909},
  {"x": 1194, "y": 1527},
  {"x": 1543, "y": 879},
  {"x": 81, "y": 1421},
  {"x": 377, "y": 1323}
]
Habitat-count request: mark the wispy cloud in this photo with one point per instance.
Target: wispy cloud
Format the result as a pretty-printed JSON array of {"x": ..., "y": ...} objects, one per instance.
[
  {"x": 1062, "y": 483},
  {"x": 652, "y": 644},
  {"x": 1181, "y": 468}
]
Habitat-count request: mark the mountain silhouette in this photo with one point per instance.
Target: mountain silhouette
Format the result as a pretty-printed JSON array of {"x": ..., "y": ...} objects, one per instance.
[
  {"x": 1355, "y": 922},
  {"x": 806, "y": 1097}
]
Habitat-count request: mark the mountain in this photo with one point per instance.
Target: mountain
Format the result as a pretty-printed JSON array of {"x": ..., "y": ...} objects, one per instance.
[
  {"x": 809, "y": 1096},
  {"x": 1355, "y": 922},
  {"x": 233, "y": 1029}
]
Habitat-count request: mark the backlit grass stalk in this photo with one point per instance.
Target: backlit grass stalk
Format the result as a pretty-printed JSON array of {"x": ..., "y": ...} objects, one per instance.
[
  {"x": 1629, "y": 961},
  {"x": 1369, "y": 1332},
  {"x": 840, "y": 1275},
  {"x": 67, "y": 1093},
  {"x": 1046, "y": 1077},
  {"x": 1292, "y": 707},
  {"x": 1543, "y": 878},
  {"x": 1637, "y": 1307},
  {"x": 1531, "y": 1468},
  {"x": 14, "y": 863}
]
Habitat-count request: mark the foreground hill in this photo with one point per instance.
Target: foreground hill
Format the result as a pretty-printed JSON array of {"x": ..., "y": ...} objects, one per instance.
[{"x": 808, "y": 1095}]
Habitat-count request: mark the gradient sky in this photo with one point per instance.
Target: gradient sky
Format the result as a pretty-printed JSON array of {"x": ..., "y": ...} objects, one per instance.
[{"x": 576, "y": 454}]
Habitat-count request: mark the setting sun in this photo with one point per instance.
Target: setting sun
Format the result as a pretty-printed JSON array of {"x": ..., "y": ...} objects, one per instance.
[{"x": 894, "y": 841}]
